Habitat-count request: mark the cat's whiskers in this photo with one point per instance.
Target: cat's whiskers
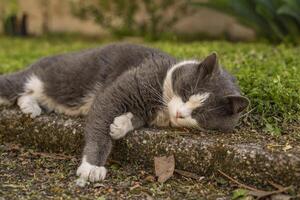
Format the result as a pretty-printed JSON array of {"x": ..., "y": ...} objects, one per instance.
[
  {"x": 196, "y": 83},
  {"x": 167, "y": 96},
  {"x": 203, "y": 118},
  {"x": 155, "y": 92},
  {"x": 215, "y": 108},
  {"x": 186, "y": 90},
  {"x": 158, "y": 97},
  {"x": 192, "y": 90}
]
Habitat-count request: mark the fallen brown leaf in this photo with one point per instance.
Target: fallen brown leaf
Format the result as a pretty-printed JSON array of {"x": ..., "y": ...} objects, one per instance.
[{"x": 164, "y": 167}]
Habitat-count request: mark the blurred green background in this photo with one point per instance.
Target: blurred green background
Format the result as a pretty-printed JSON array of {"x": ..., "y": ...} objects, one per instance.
[{"x": 234, "y": 20}]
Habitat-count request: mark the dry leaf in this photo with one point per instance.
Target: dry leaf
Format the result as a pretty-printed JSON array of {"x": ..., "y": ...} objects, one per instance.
[{"x": 164, "y": 167}]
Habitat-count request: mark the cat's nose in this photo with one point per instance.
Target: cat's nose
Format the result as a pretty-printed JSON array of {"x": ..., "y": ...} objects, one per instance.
[{"x": 178, "y": 115}]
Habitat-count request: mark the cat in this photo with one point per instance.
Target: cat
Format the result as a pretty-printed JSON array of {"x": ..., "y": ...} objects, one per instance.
[{"x": 122, "y": 87}]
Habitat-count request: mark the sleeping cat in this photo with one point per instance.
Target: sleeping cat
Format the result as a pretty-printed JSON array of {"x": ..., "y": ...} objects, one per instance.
[{"x": 121, "y": 87}]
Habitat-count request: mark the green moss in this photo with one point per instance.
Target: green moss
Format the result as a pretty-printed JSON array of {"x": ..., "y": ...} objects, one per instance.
[{"x": 268, "y": 75}]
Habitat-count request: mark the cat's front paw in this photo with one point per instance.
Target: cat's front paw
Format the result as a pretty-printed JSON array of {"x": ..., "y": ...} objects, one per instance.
[
  {"x": 121, "y": 126},
  {"x": 88, "y": 172},
  {"x": 29, "y": 105}
]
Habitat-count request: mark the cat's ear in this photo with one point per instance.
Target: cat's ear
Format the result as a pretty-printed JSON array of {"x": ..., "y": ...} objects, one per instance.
[
  {"x": 237, "y": 104},
  {"x": 209, "y": 65}
]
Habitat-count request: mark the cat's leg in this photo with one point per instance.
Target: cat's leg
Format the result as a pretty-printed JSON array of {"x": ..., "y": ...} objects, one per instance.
[
  {"x": 27, "y": 102},
  {"x": 109, "y": 104},
  {"x": 99, "y": 144},
  {"x": 95, "y": 153},
  {"x": 124, "y": 124}
]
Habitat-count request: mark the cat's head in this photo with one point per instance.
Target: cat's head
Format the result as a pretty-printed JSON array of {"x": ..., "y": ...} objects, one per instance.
[{"x": 203, "y": 95}]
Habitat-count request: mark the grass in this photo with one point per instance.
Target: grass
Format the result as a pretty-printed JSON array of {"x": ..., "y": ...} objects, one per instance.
[{"x": 268, "y": 75}]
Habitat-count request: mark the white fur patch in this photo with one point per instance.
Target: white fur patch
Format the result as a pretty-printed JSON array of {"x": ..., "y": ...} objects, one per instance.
[
  {"x": 188, "y": 122},
  {"x": 175, "y": 104},
  {"x": 121, "y": 126},
  {"x": 196, "y": 100},
  {"x": 34, "y": 88},
  {"x": 4, "y": 102},
  {"x": 88, "y": 172},
  {"x": 27, "y": 101},
  {"x": 29, "y": 105},
  {"x": 184, "y": 109}
]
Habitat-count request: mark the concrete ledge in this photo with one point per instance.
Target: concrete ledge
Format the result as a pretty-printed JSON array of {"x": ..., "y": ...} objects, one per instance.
[{"x": 244, "y": 155}]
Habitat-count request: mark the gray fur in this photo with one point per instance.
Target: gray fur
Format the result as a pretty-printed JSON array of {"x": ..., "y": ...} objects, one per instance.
[
  {"x": 135, "y": 91},
  {"x": 222, "y": 109},
  {"x": 69, "y": 77},
  {"x": 11, "y": 86},
  {"x": 129, "y": 78}
]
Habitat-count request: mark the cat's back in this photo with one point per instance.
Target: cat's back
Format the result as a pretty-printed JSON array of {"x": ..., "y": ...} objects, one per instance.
[
  {"x": 107, "y": 62},
  {"x": 69, "y": 77},
  {"x": 121, "y": 56},
  {"x": 117, "y": 58}
]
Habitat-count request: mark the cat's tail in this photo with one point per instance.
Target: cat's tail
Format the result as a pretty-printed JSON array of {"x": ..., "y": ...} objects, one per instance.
[{"x": 11, "y": 86}]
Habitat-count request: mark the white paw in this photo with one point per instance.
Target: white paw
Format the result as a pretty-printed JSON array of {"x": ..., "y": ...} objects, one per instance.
[
  {"x": 121, "y": 126},
  {"x": 88, "y": 172},
  {"x": 29, "y": 105}
]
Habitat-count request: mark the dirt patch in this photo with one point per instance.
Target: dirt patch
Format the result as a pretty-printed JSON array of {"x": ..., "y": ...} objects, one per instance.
[{"x": 26, "y": 175}]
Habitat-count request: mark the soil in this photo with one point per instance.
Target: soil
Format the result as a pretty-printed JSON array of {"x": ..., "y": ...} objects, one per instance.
[{"x": 27, "y": 174}]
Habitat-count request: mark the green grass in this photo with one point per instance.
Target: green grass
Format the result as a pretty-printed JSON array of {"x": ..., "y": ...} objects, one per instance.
[{"x": 268, "y": 75}]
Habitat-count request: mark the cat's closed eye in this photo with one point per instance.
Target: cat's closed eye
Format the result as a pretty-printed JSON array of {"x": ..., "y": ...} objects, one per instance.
[{"x": 217, "y": 102}]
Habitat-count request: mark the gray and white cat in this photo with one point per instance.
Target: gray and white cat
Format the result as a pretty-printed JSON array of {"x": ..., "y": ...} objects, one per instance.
[{"x": 121, "y": 87}]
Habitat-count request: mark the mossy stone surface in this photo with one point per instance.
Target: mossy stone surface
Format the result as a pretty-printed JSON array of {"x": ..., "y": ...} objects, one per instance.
[{"x": 245, "y": 154}]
